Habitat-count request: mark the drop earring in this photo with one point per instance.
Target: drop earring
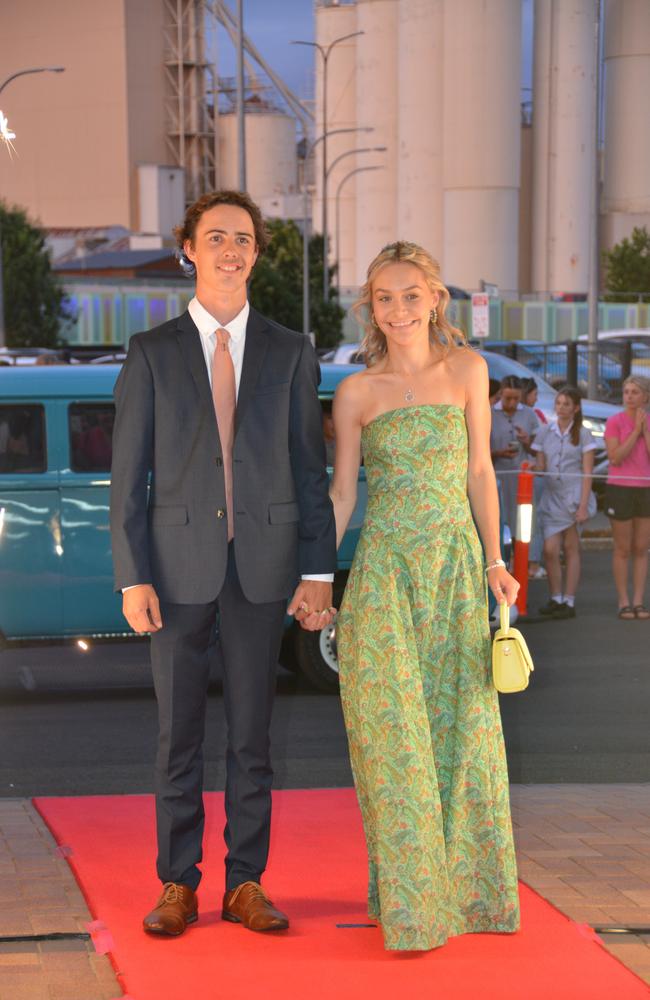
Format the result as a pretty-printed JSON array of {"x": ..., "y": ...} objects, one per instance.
[{"x": 434, "y": 316}]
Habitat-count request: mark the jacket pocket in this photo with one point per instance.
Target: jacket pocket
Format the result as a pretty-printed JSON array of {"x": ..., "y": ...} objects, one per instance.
[
  {"x": 283, "y": 513},
  {"x": 168, "y": 515}
]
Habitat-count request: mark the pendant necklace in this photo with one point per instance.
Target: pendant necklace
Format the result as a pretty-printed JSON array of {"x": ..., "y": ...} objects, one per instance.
[{"x": 409, "y": 395}]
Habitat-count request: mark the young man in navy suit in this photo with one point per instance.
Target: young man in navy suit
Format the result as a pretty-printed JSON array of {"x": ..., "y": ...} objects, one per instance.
[{"x": 219, "y": 507}]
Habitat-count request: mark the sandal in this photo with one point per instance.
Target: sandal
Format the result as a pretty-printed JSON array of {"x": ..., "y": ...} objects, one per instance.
[
  {"x": 627, "y": 613},
  {"x": 641, "y": 612}
]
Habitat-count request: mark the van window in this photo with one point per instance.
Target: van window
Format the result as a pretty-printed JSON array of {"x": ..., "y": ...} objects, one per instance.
[
  {"x": 22, "y": 438},
  {"x": 91, "y": 431}
]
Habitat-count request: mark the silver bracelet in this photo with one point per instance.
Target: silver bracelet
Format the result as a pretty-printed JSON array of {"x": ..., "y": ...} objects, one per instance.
[{"x": 495, "y": 565}]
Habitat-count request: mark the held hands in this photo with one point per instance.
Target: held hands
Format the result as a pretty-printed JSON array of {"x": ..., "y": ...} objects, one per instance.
[
  {"x": 503, "y": 585},
  {"x": 312, "y": 605},
  {"x": 141, "y": 609}
]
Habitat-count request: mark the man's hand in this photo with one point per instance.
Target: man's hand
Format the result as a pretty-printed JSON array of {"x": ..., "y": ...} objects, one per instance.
[
  {"x": 312, "y": 605},
  {"x": 141, "y": 609}
]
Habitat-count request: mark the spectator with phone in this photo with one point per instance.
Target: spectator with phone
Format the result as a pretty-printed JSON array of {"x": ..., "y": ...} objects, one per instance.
[{"x": 513, "y": 428}]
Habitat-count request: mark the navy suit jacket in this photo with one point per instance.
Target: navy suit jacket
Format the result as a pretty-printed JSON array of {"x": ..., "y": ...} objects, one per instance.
[{"x": 172, "y": 533}]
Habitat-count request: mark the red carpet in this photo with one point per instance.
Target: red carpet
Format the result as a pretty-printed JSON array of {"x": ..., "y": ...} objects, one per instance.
[{"x": 317, "y": 874}]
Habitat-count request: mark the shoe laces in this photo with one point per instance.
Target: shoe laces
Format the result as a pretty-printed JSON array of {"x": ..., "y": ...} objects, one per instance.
[
  {"x": 255, "y": 891},
  {"x": 173, "y": 893}
]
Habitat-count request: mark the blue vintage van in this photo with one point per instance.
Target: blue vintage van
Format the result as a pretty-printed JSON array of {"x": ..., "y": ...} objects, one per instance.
[{"x": 56, "y": 575}]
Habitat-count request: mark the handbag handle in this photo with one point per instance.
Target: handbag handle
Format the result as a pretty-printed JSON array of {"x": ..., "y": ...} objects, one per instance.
[{"x": 504, "y": 611}]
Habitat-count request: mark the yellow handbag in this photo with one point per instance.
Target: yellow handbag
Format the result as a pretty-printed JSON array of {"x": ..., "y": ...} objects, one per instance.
[{"x": 511, "y": 659}]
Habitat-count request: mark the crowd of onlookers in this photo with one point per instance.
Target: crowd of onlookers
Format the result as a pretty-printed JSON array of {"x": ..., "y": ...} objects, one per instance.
[{"x": 561, "y": 453}]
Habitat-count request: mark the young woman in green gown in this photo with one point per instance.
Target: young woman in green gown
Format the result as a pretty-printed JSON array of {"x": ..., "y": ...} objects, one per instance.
[{"x": 421, "y": 712}]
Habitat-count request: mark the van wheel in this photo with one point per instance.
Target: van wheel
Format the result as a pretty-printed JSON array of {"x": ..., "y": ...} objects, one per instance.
[
  {"x": 316, "y": 652},
  {"x": 317, "y": 657}
]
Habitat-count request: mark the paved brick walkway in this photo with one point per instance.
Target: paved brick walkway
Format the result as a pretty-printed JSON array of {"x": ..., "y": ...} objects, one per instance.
[
  {"x": 585, "y": 848},
  {"x": 39, "y": 895}
]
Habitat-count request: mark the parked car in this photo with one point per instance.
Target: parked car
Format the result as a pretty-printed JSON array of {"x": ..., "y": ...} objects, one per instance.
[
  {"x": 56, "y": 574},
  {"x": 29, "y": 355},
  {"x": 595, "y": 413}
]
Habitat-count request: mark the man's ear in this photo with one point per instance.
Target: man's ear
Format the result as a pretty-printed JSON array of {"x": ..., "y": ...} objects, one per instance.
[{"x": 188, "y": 250}]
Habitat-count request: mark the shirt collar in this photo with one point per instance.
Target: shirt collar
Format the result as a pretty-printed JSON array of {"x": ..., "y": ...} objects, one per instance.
[
  {"x": 207, "y": 324},
  {"x": 555, "y": 427},
  {"x": 499, "y": 406}
]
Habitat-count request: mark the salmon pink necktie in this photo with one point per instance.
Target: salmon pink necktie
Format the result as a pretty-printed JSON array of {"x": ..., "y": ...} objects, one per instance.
[{"x": 225, "y": 400}]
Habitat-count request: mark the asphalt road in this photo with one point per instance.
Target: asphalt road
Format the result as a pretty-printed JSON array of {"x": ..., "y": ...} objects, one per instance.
[{"x": 74, "y": 723}]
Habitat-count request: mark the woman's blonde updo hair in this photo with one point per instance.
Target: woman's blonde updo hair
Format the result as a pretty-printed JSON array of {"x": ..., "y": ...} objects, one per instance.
[{"x": 373, "y": 345}]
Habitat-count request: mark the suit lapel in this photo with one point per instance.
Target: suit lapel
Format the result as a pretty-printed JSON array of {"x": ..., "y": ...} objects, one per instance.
[
  {"x": 254, "y": 354},
  {"x": 189, "y": 341}
]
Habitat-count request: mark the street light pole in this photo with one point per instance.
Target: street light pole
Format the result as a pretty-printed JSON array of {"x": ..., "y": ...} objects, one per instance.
[
  {"x": 309, "y": 149},
  {"x": 349, "y": 152},
  {"x": 325, "y": 51},
  {"x": 24, "y": 72},
  {"x": 241, "y": 109},
  {"x": 20, "y": 72},
  {"x": 594, "y": 254},
  {"x": 357, "y": 170}
]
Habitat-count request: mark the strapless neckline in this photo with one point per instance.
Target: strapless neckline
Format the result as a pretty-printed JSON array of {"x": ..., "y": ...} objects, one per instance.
[{"x": 416, "y": 408}]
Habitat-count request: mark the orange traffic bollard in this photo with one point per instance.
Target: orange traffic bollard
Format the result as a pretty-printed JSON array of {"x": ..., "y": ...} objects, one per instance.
[{"x": 523, "y": 533}]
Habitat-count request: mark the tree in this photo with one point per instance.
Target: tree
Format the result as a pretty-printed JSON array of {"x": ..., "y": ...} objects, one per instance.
[
  {"x": 33, "y": 297},
  {"x": 627, "y": 267},
  {"x": 276, "y": 284}
]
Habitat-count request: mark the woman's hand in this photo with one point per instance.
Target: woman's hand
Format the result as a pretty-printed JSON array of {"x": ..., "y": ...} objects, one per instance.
[
  {"x": 581, "y": 514},
  {"x": 640, "y": 422},
  {"x": 503, "y": 585}
]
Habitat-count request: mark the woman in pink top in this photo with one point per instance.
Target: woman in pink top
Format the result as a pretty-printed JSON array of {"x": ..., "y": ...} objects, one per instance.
[{"x": 627, "y": 498}]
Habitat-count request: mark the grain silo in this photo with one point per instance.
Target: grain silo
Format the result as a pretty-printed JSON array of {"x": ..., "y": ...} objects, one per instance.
[
  {"x": 481, "y": 142},
  {"x": 271, "y": 158},
  {"x": 377, "y": 108},
  {"x": 419, "y": 126},
  {"x": 626, "y": 192},
  {"x": 563, "y": 123}
]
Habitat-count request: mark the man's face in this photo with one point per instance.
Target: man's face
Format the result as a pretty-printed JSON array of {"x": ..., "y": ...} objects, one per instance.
[
  {"x": 223, "y": 250},
  {"x": 510, "y": 399}
]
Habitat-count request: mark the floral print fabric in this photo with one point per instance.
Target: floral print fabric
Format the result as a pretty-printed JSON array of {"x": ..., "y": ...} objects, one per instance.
[{"x": 420, "y": 708}]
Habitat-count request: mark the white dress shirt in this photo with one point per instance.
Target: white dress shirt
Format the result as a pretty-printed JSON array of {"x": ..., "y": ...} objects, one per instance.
[{"x": 207, "y": 326}]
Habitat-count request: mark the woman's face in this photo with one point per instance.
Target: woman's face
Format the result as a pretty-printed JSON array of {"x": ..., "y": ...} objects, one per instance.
[
  {"x": 510, "y": 400},
  {"x": 634, "y": 396},
  {"x": 565, "y": 408},
  {"x": 531, "y": 397},
  {"x": 401, "y": 302}
]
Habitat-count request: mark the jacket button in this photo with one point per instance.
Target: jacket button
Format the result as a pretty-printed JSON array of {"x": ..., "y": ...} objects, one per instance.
[
  {"x": 221, "y": 512},
  {"x": 218, "y": 460}
]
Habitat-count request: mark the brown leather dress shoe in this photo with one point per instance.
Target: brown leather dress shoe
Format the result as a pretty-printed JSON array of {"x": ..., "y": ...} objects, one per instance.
[
  {"x": 249, "y": 905},
  {"x": 176, "y": 908}
]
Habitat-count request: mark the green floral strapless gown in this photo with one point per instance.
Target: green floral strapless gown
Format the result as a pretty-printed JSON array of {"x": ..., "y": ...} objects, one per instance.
[{"x": 421, "y": 712}]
